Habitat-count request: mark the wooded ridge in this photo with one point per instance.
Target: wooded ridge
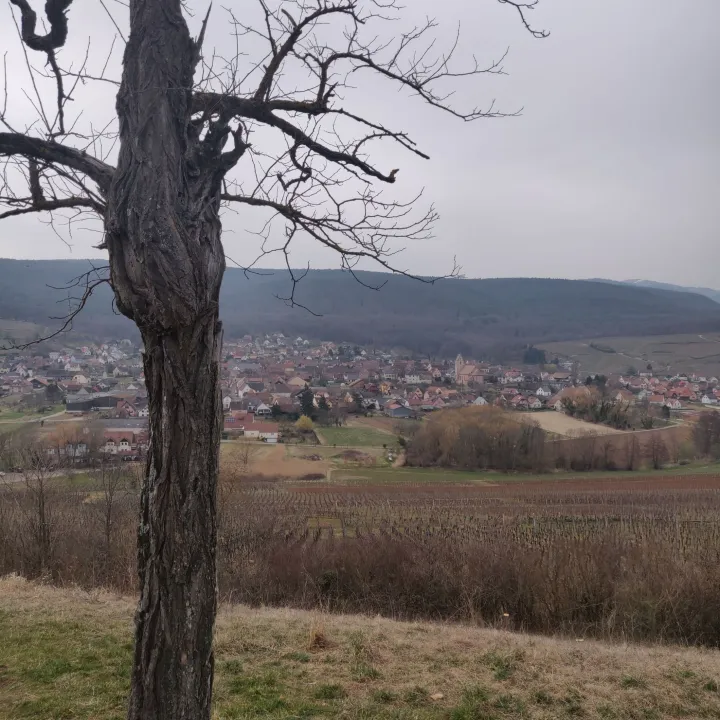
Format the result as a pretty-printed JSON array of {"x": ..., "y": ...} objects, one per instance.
[{"x": 493, "y": 316}]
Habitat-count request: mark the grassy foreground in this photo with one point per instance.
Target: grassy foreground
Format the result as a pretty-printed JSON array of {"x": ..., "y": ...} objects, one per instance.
[{"x": 66, "y": 654}]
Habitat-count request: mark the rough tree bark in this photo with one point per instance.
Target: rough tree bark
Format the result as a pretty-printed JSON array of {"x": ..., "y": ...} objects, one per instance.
[{"x": 166, "y": 266}]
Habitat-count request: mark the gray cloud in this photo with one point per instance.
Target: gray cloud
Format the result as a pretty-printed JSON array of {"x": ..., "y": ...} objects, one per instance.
[{"x": 612, "y": 170}]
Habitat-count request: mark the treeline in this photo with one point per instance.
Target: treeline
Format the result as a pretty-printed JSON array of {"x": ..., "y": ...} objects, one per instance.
[
  {"x": 488, "y": 438},
  {"x": 477, "y": 438},
  {"x": 592, "y": 404}
]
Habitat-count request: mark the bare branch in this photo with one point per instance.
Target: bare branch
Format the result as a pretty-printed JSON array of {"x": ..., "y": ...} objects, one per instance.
[
  {"x": 522, "y": 8},
  {"x": 49, "y": 205},
  {"x": 55, "y": 12},
  {"x": 55, "y": 38},
  {"x": 241, "y": 107},
  {"x": 280, "y": 54},
  {"x": 89, "y": 281},
  {"x": 48, "y": 151}
]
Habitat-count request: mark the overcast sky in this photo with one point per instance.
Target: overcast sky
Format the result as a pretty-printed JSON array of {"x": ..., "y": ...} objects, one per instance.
[{"x": 612, "y": 170}]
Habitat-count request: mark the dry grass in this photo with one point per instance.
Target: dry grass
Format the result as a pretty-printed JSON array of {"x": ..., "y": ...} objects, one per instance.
[
  {"x": 561, "y": 424},
  {"x": 276, "y": 460},
  {"x": 66, "y": 654}
]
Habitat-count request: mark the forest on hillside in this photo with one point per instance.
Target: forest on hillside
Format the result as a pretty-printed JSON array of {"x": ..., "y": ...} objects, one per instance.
[{"x": 493, "y": 317}]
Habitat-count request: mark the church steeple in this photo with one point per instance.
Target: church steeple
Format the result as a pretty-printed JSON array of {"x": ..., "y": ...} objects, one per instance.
[{"x": 459, "y": 363}]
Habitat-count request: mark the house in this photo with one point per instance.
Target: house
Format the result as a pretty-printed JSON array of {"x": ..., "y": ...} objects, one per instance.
[
  {"x": 534, "y": 403},
  {"x": 624, "y": 396},
  {"x": 709, "y": 400},
  {"x": 267, "y": 431},
  {"x": 656, "y": 399},
  {"x": 480, "y": 400},
  {"x": 126, "y": 408},
  {"x": 512, "y": 377},
  {"x": 116, "y": 447},
  {"x": 398, "y": 411},
  {"x": 543, "y": 392},
  {"x": 673, "y": 404},
  {"x": 129, "y": 440},
  {"x": 296, "y": 383},
  {"x": 226, "y": 403}
]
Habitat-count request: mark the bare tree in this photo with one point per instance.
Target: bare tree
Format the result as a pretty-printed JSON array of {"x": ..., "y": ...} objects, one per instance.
[
  {"x": 632, "y": 451},
  {"x": 656, "y": 451},
  {"x": 37, "y": 466},
  {"x": 114, "y": 481},
  {"x": 244, "y": 456},
  {"x": 185, "y": 120}
]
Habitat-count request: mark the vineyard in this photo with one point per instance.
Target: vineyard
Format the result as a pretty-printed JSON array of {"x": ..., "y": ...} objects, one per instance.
[
  {"x": 682, "y": 511},
  {"x": 624, "y": 556}
]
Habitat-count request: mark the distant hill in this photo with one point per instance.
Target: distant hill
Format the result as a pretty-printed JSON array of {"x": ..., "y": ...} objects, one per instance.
[
  {"x": 707, "y": 292},
  {"x": 495, "y": 317}
]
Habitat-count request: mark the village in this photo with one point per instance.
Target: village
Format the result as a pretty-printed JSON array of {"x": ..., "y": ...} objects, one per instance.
[{"x": 269, "y": 382}]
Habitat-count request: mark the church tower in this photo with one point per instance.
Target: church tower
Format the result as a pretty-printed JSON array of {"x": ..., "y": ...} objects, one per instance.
[{"x": 459, "y": 364}]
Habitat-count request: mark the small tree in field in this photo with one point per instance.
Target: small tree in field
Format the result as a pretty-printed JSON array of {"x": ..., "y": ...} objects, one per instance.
[
  {"x": 159, "y": 175},
  {"x": 305, "y": 424}
]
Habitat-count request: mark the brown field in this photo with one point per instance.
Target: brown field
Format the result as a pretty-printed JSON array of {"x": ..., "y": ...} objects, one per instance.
[
  {"x": 274, "y": 460},
  {"x": 561, "y": 424},
  {"x": 673, "y": 353},
  {"x": 292, "y": 461}
]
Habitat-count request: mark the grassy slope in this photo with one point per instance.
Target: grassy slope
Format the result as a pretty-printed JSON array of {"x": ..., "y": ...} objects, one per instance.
[{"x": 66, "y": 654}]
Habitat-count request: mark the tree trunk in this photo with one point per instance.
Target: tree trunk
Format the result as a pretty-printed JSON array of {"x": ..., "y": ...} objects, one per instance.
[
  {"x": 173, "y": 663},
  {"x": 166, "y": 266}
]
